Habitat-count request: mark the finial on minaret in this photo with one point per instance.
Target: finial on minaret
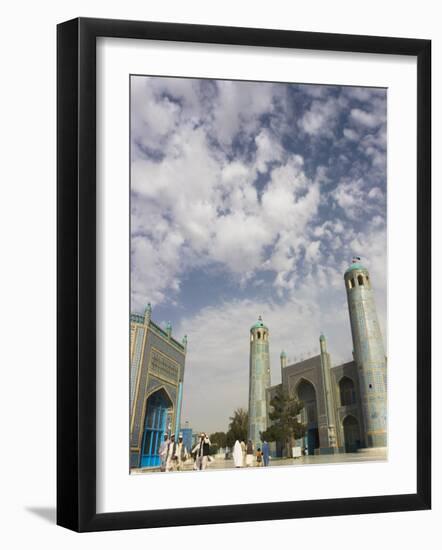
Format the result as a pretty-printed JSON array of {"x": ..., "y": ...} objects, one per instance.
[
  {"x": 184, "y": 341},
  {"x": 322, "y": 343},
  {"x": 169, "y": 329},
  {"x": 148, "y": 313}
]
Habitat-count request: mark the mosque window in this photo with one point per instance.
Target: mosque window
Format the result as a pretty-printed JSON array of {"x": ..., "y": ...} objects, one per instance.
[
  {"x": 347, "y": 391},
  {"x": 259, "y": 335},
  {"x": 352, "y": 283},
  {"x": 360, "y": 280}
]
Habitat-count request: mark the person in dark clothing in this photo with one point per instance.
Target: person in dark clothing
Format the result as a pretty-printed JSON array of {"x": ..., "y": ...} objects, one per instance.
[{"x": 202, "y": 451}]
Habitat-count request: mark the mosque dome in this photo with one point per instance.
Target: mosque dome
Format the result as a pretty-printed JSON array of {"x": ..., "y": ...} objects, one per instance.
[
  {"x": 322, "y": 338},
  {"x": 258, "y": 324},
  {"x": 356, "y": 264},
  {"x": 283, "y": 353}
]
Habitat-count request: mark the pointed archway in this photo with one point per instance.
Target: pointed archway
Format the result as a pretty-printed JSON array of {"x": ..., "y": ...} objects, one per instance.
[
  {"x": 307, "y": 394},
  {"x": 158, "y": 407},
  {"x": 352, "y": 434}
]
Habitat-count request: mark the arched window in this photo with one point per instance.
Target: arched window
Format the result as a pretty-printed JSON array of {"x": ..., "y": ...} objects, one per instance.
[
  {"x": 352, "y": 283},
  {"x": 347, "y": 391},
  {"x": 360, "y": 280},
  {"x": 259, "y": 335}
]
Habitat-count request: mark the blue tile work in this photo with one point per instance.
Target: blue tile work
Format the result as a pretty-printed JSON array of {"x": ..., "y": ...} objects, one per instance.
[
  {"x": 259, "y": 381},
  {"x": 343, "y": 422},
  {"x": 369, "y": 355},
  {"x": 157, "y": 367},
  {"x": 136, "y": 356}
]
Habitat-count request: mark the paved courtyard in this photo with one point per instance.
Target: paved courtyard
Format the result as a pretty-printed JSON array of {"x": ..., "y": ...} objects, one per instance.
[{"x": 362, "y": 456}]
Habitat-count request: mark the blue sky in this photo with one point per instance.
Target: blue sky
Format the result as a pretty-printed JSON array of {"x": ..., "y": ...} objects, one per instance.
[{"x": 250, "y": 199}]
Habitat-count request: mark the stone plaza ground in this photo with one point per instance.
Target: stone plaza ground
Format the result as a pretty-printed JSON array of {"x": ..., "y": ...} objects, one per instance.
[{"x": 363, "y": 455}]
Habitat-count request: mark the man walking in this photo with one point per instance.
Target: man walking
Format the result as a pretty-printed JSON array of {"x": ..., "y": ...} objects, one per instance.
[
  {"x": 172, "y": 457},
  {"x": 163, "y": 452},
  {"x": 181, "y": 452},
  {"x": 202, "y": 451}
]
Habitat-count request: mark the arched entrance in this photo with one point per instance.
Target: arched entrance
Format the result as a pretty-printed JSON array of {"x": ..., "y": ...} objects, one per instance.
[
  {"x": 155, "y": 424},
  {"x": 352, "y": 436},
  {"x": 309, "y": 416}
]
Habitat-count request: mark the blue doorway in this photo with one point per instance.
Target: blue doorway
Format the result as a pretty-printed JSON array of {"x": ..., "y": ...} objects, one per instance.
[
  {"x": 155, "y": 425},
  {"x": 312, "y": 440},
  {"x": 352, "y": 437}
]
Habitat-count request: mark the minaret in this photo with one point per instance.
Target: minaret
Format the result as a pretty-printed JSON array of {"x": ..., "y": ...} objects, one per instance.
[
  {"x": 259, "y": 381},
  {"x": 328, "y": 394},
  {"x": 148, "y": 314},
  {"x": 369, "y": 354}
]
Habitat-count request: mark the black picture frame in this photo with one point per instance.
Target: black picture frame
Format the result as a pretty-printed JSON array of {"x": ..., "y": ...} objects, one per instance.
[{"x": 77, "y": 287}]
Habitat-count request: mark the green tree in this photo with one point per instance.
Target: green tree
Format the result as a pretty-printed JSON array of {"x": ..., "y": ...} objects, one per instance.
[
  {"x": 219, "y": 439},
  {"x": 284, "y": 414},
  {"x": 238, "y": 427}
]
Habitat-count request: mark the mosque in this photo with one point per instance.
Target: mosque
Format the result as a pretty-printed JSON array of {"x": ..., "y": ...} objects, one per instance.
[
  {"x": 157, "y": 362},
  {"x": 345, "y": 406}
]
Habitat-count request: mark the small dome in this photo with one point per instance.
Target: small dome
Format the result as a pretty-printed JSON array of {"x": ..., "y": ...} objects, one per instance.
[
  {"x": 354, "y": 266},
  {"x": 322, "y": 338},
  {"x": 258, "y": 324},
  {"x": 283, "y": 353}
]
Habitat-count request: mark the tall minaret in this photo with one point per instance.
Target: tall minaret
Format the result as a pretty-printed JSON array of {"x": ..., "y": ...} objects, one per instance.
[
  {"x": 259, "y": 381},
  {"x": 328, "y": 394},
  {"x": 369, "y": 353}
]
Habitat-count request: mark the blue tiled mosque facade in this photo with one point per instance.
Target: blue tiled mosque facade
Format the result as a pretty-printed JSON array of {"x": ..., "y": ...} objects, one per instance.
[
  {"x": 345, "y": 406},
  {"x": 157, "y": 363}
]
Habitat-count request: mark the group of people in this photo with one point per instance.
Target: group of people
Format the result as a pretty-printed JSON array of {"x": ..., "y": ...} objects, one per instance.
[
  {"x": 245, "y": 455},
  {"x": 173, "y": 454}
]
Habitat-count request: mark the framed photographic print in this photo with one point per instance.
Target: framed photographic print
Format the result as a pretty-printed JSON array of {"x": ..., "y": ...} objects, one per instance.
[{"x": 243, "y": 274}]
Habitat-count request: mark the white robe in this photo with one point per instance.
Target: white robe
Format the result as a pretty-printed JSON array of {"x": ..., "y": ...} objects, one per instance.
[{"x": 237, "y": 454}]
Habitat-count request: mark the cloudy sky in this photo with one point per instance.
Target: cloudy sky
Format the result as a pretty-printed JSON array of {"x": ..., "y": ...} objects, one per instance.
[{"x": 250, "y": 199}]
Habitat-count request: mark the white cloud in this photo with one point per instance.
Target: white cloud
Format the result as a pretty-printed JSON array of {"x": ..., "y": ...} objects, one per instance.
[
  {"x": 350, "y": 134},
  {"x": 238, "y": 108},
  {"x": 321, "y": 118},
  {"x": 358, "y": 199},
  {"x": 371, "y": 120}
]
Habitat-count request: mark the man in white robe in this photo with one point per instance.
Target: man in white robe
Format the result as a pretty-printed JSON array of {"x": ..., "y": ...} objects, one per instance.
[
  {"x": 237, "y": 455},
  {"x": 172, "y": 456},
  {"x": 163, "y": 452},
  {"x": 181, "y": 453}
]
